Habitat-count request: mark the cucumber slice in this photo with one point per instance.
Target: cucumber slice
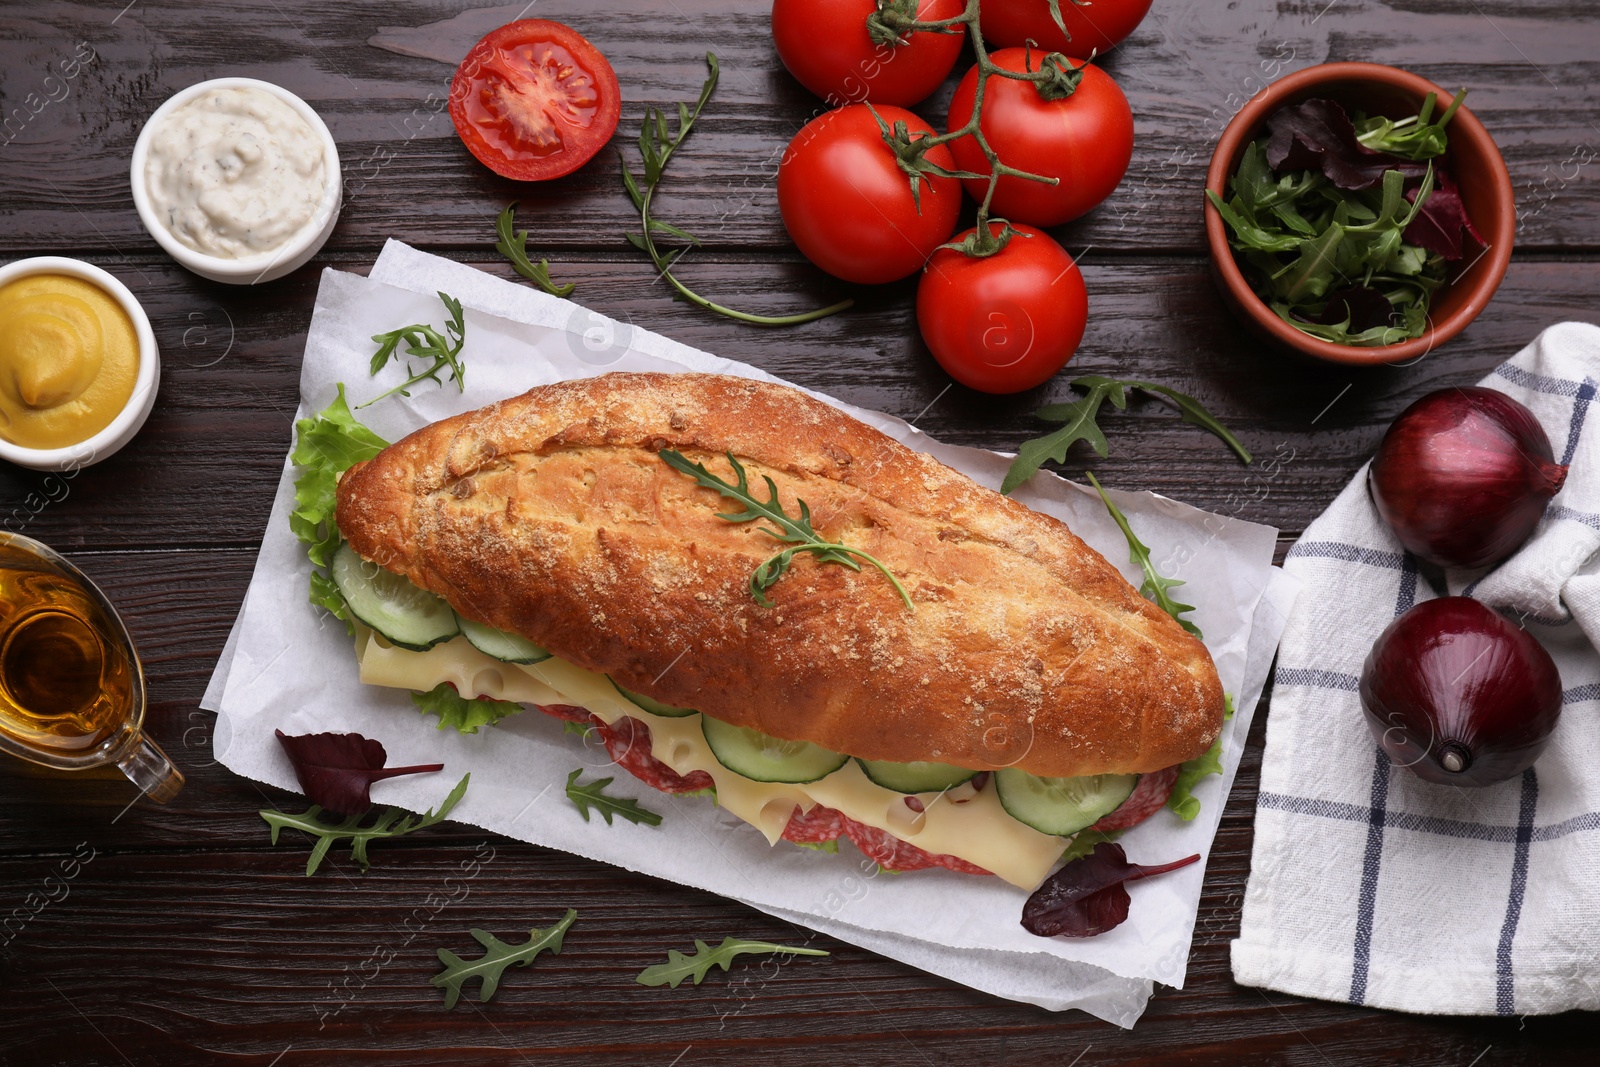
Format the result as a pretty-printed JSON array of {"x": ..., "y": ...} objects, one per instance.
[
  {"x": 407, "y": 616},
  {"x": 508, "y": 648},
  {"x": 1061, "y": 806},
  {"x": 918, "y": 777},
  {"x": 768, "y": 759},
  {"x": 650, "y": 704}
]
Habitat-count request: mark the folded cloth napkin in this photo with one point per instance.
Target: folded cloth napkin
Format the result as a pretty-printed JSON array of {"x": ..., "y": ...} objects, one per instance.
[{"x": 1371, "y": 886}]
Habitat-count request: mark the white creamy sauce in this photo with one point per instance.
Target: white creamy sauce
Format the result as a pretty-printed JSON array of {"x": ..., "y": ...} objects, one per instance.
[{"x": 235, "y": 173}]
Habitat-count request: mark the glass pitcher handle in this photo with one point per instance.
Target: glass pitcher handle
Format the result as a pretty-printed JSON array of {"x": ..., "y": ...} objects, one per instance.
[{"x": 149, "y": 768}]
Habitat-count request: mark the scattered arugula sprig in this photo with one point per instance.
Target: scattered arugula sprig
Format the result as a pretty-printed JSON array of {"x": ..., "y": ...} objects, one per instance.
[
  {"x": 497, "y": 956},
  {"x": 797, "y": 532},
  {"x": 461, "y": 713},
  {"x": 1154, "y": 586},
  {"x": 514, "y": 246},
  {"x": 1080, "y": 417},
  {"x": 389, "y": 824},
  {"x": 697, "y": 965},
  {"x": 657, "y": 142},
  {"x": 326, "y": 445},
  {"x": 593, "y": 795},
  {"x": 424, "y": 342}
]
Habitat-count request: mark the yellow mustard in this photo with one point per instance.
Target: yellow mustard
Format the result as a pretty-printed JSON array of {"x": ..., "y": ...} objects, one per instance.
[{"x": 68, "y": 360}]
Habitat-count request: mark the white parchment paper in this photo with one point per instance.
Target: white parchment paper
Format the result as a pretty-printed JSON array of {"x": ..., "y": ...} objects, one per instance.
[{"x": 286, "y": 666}]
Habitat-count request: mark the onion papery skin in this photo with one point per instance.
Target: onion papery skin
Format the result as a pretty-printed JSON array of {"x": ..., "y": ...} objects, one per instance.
[
  {"x": 1463, "y": 477},
  {"x": 1452, "y": 676}
]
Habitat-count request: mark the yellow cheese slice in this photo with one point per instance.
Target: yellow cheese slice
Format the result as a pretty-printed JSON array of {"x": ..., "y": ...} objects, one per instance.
[{"x": 965, "y": 823}]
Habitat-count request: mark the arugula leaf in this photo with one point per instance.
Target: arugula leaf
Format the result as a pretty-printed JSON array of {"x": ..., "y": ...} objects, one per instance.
[
  {"x": 1182, "y": 801},
  {"x": 387, "y": 825},
  {"x": 582, "y": 729},
  {"x": 697, "y": 965},
  {"x": 461, "y": 713},
  {"x": 594, "y": 795},
  {"x": 657, "y": 143},
  {"x": 794, "y": 531},
  {"x": 423, "y": 341},
  {"x": 1084, "y": 841},
  {"x": 514, "y": 246},
  {"x": 1154, "y": 586},
  {"x": 497, "y": 956},
  {"x": 1416, "y": 137},
  {"x": 326, "y": 445},
  {"x": 1081, "y": 418}
]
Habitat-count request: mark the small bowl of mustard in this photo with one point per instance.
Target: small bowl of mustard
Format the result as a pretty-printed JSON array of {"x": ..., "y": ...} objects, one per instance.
[{"x": 78, "y": 364}]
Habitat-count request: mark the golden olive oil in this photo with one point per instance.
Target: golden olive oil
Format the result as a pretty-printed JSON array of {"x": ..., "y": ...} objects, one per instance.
[{"x": 67, "y": 682}]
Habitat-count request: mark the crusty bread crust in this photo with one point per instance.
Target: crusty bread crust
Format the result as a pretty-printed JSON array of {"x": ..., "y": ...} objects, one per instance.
[{"x": 551, "y": 515}]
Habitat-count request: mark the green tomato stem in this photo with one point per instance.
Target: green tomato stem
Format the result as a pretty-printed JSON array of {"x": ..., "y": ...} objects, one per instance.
[{"x": 983, "y": 243}]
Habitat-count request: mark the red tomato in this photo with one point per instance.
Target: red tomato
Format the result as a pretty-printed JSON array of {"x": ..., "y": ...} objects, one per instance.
[
  {"x": 1085, "y": 139},
  {"x": 826, "y": 46},
  {"x": 1097, "y": 27},
  {"x": 1006, "y": 322},
  {"x": 534, "y": 100},
  {"x": 848, "y": 205}
]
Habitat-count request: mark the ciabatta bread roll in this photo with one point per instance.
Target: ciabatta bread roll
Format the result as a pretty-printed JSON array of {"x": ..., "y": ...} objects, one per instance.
[{"x": 551, "y": 515}]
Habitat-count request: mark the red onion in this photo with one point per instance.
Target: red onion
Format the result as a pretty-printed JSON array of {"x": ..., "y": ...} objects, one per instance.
[
  {"x": 1460, "y": 695},
  {"x": 1463, "y": 475}
]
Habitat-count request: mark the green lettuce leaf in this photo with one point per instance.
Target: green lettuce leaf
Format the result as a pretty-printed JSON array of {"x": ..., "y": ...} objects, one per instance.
[
  {"x": 463, "y": 714},
  {"x": 1183, "y": 802},
  {"x": 326, "y": 445},
  {"x": 1084, "y": 842}
]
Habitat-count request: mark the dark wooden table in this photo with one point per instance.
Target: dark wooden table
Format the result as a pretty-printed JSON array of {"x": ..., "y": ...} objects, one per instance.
[{"x": 187, "y": 938}]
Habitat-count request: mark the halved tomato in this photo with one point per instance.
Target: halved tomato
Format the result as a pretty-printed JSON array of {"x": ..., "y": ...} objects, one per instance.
[{"x": 534, "y": 100}]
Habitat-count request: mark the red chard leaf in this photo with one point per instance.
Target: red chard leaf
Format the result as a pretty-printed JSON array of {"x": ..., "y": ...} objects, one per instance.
[
  {"x": 1318, "y": 135},
  {"x": 1443, "y": 218},
  {"x": 1364, "y": 306},
  {"x": 1087, "y": 896},
  {"x": 337, "y": 770}
]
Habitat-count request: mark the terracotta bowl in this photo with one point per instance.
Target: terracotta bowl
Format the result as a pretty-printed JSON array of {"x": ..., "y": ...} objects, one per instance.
[{"x": 1472, "y": 159}]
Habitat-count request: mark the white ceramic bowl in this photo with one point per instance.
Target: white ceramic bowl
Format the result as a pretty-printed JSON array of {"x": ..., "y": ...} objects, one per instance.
[
  {"x": 129, "y": 420},
  {"x": 251, "y": 269}
]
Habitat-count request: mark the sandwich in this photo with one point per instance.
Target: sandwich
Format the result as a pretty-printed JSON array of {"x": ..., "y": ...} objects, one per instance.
[{"x": 746, "y": 591}]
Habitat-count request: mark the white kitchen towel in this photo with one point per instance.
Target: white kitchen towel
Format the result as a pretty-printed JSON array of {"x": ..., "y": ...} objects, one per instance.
[{"x": 1372, "y": 886}]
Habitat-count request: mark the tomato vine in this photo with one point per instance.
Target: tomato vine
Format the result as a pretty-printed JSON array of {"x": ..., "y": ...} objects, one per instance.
[{"x": 1055, "y": 79}]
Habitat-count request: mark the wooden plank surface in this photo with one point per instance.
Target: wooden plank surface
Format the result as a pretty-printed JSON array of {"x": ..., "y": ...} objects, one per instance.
[
  {"x": 187, "y": 938},
  {"x": 1186, "y": 70}
]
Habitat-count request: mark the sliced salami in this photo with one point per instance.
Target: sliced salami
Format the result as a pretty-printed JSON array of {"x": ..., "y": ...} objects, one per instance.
[
  {"x": 822, "y": 824},
  {"x": 628, "y": 742},
  {"x": 1148, "y": 797},
  {"x": 815, "y": 827},
  {"x": 566, "y": 712},
  {"x": 893, "y": 854}
]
